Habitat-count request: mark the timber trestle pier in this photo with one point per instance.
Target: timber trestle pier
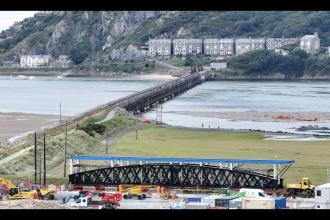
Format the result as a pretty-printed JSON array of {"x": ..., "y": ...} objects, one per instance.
[
  {"x": 138, "y": 102},
  {"x": 142, "y": 101},
  {"x": 145, "y": 99}
]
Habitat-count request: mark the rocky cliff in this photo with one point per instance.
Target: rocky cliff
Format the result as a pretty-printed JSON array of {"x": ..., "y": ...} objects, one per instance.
[{"x": 101, "y": 37}]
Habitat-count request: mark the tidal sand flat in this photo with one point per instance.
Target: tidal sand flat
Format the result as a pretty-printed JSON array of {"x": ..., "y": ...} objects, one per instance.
[
  {"x": 12, "y": 125},
  {"x": 262, "y": 116}
]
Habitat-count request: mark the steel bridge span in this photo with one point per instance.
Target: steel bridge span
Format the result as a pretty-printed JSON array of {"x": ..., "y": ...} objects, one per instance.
[{"x": 175, "y": 172}]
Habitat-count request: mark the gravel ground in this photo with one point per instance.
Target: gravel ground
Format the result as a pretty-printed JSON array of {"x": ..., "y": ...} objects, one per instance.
[
  {"x": 31, "y": 204},
  {"x": 148, "y": 203}
]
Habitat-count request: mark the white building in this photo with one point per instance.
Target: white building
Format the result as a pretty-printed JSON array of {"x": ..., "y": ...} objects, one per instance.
[
  {"x": 187, "y": 46},
  {"x": 274, "y": 43},
  {"x": 310, "y": 43},
  {"x": 63, "y": 61},
  {"x": 159, "y": 47},
  {"x": 243, "y": 45},
  {"x": 281, "y": 52},
  {"x": 218, "y": 66},
  {"x": 33, "y": 61},
  {"x": 222, "y": 47}
]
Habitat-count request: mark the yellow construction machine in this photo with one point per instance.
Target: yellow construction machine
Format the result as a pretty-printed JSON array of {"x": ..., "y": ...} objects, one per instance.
[
  {"x": 304, "y": 187},
  {"x": 16, "y": 193},
  {"x": 130, "y": 191}
]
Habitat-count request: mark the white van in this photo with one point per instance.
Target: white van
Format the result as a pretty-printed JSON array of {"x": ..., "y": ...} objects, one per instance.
[
  {"x": 322, "y": 196},
  {"x": 254, "y": 192}
]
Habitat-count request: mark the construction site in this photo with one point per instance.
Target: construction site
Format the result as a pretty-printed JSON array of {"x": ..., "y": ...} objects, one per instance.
[{"x": 108, "y": 181}]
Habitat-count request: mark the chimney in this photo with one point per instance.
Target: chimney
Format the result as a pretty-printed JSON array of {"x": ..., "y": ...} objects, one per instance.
[{"x": 315, "y": 34}]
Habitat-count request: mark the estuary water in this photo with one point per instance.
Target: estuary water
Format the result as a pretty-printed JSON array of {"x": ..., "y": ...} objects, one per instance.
[
  {"x": 43, "y": 95},
  {"x": 311, "y": 97}
]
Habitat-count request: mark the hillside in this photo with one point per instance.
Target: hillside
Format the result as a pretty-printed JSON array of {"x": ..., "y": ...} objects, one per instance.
[{"x": 105, "y": 37}]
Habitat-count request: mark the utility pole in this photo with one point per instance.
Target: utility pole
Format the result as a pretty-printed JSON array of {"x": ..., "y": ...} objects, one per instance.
[
  {"x": 45, "y": 159},
  {"x": 35, "y": 157},
  {"x": 40, "y": 167},
  {"x": 106, "y": 150},
  {"x": 136, "y": 131},
  {"x": 161, "y": 114},
  {"x": 65, "y": 145},
  {"x": 60, "y": 112}
]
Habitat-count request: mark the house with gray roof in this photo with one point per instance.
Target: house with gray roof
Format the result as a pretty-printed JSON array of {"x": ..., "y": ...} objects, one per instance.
[
  {"x": 243, "y": 45},
  {"x": 310, "y": 43},
  {"x": 187, "y": 46}
]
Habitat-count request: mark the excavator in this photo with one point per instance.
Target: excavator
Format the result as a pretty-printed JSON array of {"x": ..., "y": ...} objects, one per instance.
[{"x": 16, "y": 193}]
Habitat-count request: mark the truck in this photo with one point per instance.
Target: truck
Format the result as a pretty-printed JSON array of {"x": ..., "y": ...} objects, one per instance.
[
  {"x": 322, "y": 196},
  {"x": 305, "y": 187},
  {"x": 140, "y": 192},
  {"x": 14, "y": 192},
  {"x": 101, "y": 200}
]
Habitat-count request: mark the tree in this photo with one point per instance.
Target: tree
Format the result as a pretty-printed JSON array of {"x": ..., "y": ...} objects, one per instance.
[
  {"x": 292, "y": 66},
  {"x": 80, "y": 52},
  {"x": 300, "y": 53},
  {"x": 189, "y": 61}
]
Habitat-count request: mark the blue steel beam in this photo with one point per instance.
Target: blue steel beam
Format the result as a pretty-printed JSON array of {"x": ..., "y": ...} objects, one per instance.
[{"x": 182, "y": 160}]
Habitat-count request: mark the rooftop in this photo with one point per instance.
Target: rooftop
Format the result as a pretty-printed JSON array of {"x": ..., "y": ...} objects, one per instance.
[
  {"x": 309, "y": 37},
  {"x": 183, "y": 160},
  {"x": 250, "y": 40}
]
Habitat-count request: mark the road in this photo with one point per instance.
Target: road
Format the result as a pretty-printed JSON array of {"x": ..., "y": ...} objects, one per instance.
[
  {"x": 15, "y": 155},
  {"x": 168, "y": 65}
]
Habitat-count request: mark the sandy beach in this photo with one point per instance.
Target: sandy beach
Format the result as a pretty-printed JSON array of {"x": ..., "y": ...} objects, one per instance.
[
  {"x": 15, "y": 124},
  {"x": 260, "y": 116}
]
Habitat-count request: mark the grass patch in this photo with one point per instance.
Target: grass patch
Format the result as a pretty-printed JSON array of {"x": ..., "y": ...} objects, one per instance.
[
  {"x": 79, "y": 142},
  {"x": 311, "y": 157},
  {"x": 175, "y": 61}
]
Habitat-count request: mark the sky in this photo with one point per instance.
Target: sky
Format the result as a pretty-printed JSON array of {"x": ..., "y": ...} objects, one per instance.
[{"x": 8, "y": 18}]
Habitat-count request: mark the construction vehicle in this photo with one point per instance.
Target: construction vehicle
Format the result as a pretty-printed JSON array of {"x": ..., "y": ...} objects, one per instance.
[
  {"x": 16, "y": 193},
  {"x": 101, "y": 200},
  {"x": 304, "y": 187},
  {"x": 140, "y": 192}
]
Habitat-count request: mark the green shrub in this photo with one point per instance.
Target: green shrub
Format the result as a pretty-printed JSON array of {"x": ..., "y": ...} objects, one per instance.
[{"x": 91, "y": 128}]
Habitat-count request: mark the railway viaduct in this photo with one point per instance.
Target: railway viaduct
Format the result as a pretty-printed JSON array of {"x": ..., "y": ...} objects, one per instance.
[{"x": 138, "y": 102}]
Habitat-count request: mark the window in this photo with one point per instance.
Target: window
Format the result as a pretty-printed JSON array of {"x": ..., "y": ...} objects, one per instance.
[
  {"x": 261, "y": 195},
  {"x": 318, "y": 192}
]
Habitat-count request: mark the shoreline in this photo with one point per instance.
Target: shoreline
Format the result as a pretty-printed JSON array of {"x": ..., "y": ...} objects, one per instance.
[
  {"x": 257, "y": 116},
  {"x": 15, "y": 125},
  {"x": 216, "y": 77}
]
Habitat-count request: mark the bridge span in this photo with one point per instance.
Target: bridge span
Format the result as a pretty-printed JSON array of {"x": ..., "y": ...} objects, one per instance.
[{"x": 175, "y": 172}]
